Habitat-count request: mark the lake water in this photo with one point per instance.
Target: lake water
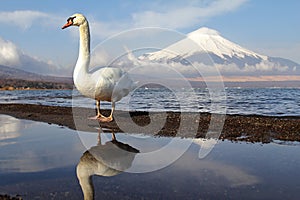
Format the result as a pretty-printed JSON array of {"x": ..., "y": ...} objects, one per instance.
[
  {"x": 259, "y": 101},
  {"x": 38, "y": 161}
]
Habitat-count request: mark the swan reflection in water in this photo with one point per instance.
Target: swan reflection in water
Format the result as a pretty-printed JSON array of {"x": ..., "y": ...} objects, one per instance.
[{"x": 109, "y": 159}]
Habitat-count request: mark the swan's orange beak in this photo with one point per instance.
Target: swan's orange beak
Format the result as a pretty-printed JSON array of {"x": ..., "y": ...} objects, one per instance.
[{"x": 69, "y": 23}]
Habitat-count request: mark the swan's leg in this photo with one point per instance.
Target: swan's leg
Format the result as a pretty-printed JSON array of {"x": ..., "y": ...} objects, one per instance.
[
  {"x": 112, "y": 111},
  {"x": 99, "y": 115},
  {"x": 110, "y": 118},
  {"x": 98, "y": 109}
]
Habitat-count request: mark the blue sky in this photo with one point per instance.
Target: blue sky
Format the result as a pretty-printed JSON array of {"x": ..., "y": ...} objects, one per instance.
[{"x": 30, "y": 30}]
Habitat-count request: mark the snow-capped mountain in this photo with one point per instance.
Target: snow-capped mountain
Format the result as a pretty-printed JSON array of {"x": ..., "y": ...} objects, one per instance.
[{"x": 206, "y": 46}]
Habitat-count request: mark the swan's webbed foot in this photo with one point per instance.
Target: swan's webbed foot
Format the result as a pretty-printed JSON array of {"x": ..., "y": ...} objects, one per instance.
[
  {"x": 102, "y": 118},
  {"x": 105, "y": 119},
  {"x": 97, "y": 117}
]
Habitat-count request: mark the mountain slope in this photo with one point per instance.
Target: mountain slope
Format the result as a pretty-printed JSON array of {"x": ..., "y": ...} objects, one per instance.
[
  {"x": 12, "y": 78},
  {"x": 13, "y": 73}
]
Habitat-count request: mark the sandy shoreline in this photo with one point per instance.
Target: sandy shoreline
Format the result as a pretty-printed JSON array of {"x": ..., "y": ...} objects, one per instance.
[{"x": 251, "y": 128}]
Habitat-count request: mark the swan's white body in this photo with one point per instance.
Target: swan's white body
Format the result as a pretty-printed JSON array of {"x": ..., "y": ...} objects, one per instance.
[{"x": 106, "y": 84}]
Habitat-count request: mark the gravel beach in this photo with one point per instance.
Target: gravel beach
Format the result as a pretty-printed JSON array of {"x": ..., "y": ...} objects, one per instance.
[{"x": 250, "y": 128}]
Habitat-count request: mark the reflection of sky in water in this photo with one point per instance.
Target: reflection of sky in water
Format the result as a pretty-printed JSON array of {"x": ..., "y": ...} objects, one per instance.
[
  {"x": 31, "y": 146},
  {"x": 10, "y": 127},
  {"x": 38, "y": 159}
]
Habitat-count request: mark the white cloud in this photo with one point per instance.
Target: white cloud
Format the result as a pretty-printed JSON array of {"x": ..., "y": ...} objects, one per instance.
[
  {"x": 9, "y": 53},
  {"x": 264, "y": 66},
  {"x": 24, "y": 19},
  {"x": 21, "y": 18},
  {"x": 270, "y": 66},
  {"x": 184, "y": 16},
  {"x": 12, "y": 56}
]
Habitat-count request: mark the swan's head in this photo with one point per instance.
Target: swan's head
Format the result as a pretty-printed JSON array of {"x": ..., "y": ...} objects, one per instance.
[{"x": 75, "y": 20}]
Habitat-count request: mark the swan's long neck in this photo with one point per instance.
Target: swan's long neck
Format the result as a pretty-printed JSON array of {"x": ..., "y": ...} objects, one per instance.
[
  {"x": 84, "y": 175},
  {"x": 81, "y": 71}
]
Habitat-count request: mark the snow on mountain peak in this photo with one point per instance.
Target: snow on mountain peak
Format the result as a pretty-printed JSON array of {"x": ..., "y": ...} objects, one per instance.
[
  {"x": 205, "y": 31},
  {"x": 211, "y": 41}
]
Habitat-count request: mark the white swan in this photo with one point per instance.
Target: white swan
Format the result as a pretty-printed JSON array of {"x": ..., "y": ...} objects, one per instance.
[{"x": 106, "y": 84}]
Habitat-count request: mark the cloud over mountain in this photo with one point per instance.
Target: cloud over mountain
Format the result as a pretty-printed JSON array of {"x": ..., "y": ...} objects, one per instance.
[{"x": 13, "y": 56}]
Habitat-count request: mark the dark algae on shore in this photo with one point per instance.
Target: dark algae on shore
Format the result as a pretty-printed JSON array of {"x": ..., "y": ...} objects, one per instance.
[{"x": 8, "y": 197}]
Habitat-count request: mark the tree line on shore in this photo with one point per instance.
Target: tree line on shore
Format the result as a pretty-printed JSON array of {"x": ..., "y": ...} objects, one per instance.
[{"x": 15, "y": 84}]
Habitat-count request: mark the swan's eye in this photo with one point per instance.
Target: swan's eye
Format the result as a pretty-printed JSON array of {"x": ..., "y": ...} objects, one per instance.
[{"x": 71, "y": 19}]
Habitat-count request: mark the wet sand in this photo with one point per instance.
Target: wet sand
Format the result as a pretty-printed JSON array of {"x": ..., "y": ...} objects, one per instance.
[{"x": 250, "y": 128}]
